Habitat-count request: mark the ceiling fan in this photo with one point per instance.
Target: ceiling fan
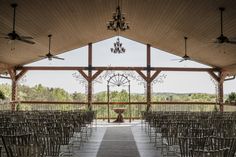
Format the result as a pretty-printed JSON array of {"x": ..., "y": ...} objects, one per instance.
[
  {"x": 12, "y": 36},
  {"x": 223, "y": 39},
  {"x": 49, "y": 55},
  {"x": 185, "y": 57}
]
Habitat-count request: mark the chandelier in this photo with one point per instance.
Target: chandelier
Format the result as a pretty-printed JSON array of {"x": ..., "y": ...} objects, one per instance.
[
  {"x": 118, "y": 24},
  {"x": 118, "y": 47},
  {"x": 118, "y": 21}
]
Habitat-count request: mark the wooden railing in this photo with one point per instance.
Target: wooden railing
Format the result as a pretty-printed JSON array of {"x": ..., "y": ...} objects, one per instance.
[
  {"x": 133, "y": 109},
  {"x": 229, "y": 107}
]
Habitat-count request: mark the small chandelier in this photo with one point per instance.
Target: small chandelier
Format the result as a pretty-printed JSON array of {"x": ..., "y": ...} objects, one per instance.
[
  {"x": 118, "y": 47},
  {"x": 118, "y": 21}
]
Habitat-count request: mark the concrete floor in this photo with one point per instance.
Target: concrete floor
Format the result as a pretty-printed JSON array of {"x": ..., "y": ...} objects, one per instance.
[{"x": 140, "y": 138}]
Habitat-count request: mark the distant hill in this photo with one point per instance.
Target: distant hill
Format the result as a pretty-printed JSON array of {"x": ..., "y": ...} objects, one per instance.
[{"x": 40, "y": 92}]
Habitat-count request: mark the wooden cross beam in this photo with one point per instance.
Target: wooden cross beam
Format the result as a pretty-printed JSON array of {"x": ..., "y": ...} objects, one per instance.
[
  {"x": 155, "y": 75},
  {"x": 218, "y": 78},
  {"x": 214, "y": 76},
  {"x": 21, "y": 74},
  {"x": 84, "y": 75},
  {"x": 146, "y": 78},
  {"x": 12, "y": 73},
  {"x": 142, "y": 74},
  {"x": 96, "y": 74},
  {"x": 14, "y": 76},
  {"x": 93, "y": 77}
]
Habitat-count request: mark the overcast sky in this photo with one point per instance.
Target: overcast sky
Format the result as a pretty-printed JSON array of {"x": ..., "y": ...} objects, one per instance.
[{"x": 135, "y": 55}]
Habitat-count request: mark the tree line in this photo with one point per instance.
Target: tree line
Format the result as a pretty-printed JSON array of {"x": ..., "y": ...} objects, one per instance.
[{"x": 42, "y": 93}]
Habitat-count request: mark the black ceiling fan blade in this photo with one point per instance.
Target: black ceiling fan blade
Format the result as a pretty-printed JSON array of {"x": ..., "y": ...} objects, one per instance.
[
  {"x": 13, "y": 35},
  {"x": 43, "y": 57},
  {"x": 55, "y": 57},
  {"x": 216, "y": 42},
  {"x": 2, "y": 34},
  {"x": 232, "y": 42},
  {"x": 5, "y": 37},
  {"x": 26, "y": 41},
  {"x": 26, "y": 37},
  {"x": 232, "y": 39}
]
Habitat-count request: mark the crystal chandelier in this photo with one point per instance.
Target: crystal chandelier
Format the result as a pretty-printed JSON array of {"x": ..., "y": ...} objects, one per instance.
[
  {"x": 118, "y": 47},
  {"x": 118, "y": 21}
]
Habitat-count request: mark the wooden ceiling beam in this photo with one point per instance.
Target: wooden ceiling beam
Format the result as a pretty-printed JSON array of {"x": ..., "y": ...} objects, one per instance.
[
  {"x": 51, "y": 68},
  {"x": 122, "y": 68}
]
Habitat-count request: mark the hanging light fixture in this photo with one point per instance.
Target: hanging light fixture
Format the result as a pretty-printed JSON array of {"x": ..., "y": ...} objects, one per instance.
[
  {"x": 118, "y": 47},
  {"x": 118, "y": 21},
  {"x": 118, "y": 24}
]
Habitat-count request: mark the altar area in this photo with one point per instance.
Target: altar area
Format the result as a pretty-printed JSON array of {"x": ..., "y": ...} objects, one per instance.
[{"x": 119, "y": 112}]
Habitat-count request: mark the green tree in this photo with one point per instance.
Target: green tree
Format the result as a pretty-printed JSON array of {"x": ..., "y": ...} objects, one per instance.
[
  {"x": 78, "y": 97},
  {"x": 2, "y": 96},
  {"x": 6, "y": 89},
  {"x": 232, "y": 97},
  {"x": 100, "y": 97}
]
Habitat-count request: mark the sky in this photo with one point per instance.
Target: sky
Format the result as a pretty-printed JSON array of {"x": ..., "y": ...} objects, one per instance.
[{"x": 135, "y": 55}]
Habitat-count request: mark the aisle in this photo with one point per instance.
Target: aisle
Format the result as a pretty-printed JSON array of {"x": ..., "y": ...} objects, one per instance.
[{"x": 118, "y": 142}]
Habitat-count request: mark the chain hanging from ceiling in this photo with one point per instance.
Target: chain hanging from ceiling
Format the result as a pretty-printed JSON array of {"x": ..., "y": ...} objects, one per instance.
[{"x": 117, "y": 24}]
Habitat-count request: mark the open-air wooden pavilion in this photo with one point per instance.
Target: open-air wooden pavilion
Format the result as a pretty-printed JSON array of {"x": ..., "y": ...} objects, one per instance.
[{"x": 160, "y": 24}]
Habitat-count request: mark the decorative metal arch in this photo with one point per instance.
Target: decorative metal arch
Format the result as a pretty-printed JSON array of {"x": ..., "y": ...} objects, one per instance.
[{"x": 117, "y": 80}]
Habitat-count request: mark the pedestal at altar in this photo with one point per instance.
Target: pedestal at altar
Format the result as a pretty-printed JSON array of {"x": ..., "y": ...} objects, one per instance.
[{"x": 119, "y": 111}]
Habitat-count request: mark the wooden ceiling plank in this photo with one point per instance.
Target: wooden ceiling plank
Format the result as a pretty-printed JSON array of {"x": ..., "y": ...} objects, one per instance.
[{"x": 72, "y": 24}]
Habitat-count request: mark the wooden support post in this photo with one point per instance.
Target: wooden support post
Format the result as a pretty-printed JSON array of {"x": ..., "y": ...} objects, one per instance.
[
  {"x": 15, "y": 78},
  {"x": 220, "y": 81},
  {"x": 148, "y": 77},
  {"x": 108, "y": 103},
  {"x": 12, "y": 73},
  {"x": 90, "y": 76},
  {"x": 14, "y": 96},
  {"x": 221, "y": 95},
  {"x": 221, "y": 90}
]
